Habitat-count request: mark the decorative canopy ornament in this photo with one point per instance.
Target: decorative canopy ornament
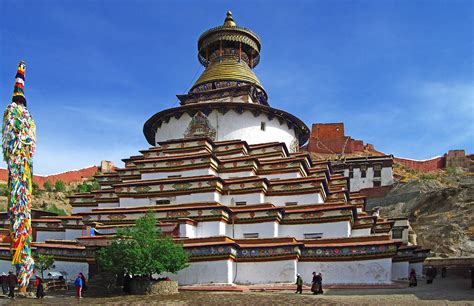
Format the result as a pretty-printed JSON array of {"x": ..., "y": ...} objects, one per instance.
[
  {"x": 229, "y": 53},
  {"x": 19, "y": 139}
]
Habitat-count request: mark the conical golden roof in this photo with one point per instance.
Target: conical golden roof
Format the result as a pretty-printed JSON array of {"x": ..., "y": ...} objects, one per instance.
[{"x": 228, "y": 69}]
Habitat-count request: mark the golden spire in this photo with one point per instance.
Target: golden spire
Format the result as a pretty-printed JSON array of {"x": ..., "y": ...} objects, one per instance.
[{"x": 229, "y": 20}]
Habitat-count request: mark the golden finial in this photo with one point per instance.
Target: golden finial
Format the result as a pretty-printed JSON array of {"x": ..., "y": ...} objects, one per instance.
[{"x": 229, "y": 20}]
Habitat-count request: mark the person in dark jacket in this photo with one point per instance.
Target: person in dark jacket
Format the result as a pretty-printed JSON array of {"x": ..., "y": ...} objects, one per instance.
[
  {"x": 412, "y": 278},
  {"x": 39, "y": 288},
  {"x": 430, "y": 275},
  {"x": 319, "y": 281},
  {"x": 12, "y": 281},
  {"x": 4, "y": 282},
  {"x": 314, "y": 283},
  {"x": 299, "y": 284}
]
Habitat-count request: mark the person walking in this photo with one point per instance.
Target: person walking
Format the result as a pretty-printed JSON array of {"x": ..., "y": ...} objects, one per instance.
[
  {"x": 39, "y": 287},
  {"x": 319, "y": 281},
  {"x": 299, "y": 284},
  {"x": 314, "y": 284},
  {"x": 429, "y": 275},
  {"x": 4, "y": 282},
  {"x": 78, "y": 284},
  {"x": 12, "y": 281},
  {"x": 412, "y": 279}
]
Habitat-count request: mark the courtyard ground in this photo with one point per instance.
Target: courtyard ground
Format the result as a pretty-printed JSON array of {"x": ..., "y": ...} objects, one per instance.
[{"x": 441, "y": 292}]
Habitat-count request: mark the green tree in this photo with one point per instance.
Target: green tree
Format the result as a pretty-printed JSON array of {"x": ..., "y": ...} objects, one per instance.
[
  {"x": 36, "y": 189},
  {"x": 47, "y": 186},
  {"x": 59, "y": 186},
  {"x": 142, "y": 251},
  {"x": 43, "y": 263}
]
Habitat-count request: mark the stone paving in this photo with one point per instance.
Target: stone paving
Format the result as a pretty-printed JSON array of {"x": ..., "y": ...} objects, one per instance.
[{"x": 442, "y": 292}]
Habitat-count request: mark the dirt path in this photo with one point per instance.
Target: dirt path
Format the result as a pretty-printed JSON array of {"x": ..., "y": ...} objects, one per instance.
[{"x": 442, "y": 292}]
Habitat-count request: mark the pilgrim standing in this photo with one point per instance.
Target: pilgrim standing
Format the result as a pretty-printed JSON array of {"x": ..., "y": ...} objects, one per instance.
[
  {"x": 12, "y": 280},
  {"x": 314, "y": 284},
  {"x": 319, "y": 281},
  {"x": 299, "y": 284},
  {"x": 84, "y": 283},
  {"x": 39, "y": 287},
  {"x": 412, "y": 278},
  {"x": 78, "y": 284},
  {"x": 4, "y": 280}
]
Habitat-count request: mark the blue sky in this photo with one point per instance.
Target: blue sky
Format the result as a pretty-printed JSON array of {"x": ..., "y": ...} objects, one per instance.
[{"x": 399, "y": 74}]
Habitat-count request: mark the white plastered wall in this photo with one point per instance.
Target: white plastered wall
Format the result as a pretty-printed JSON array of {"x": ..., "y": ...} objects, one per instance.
[
  {"x": 108, "y": 205},
  {"x": 400, "y": 270},
  {"x": 309, "y": 198},
  {"x": 187, "y": 230},
  {"x": 186, "y": 173},
  {"x": 210, "y": 229},
  {"x": 264, "y": 229},
  {"x": 207, "y": 272},
  {"x": 226, "y": 175},
  {"x": 373, "y": 271},
  {"x": 250, "y": 198},
  {"x": 42, "y": 236},
  {"x": 360, "y": 232},
  {"x": 282, "y": 176},
  {"x": 264, "y": 272},
  {"x": 76, "y": 210},
  {"x": 72, "y": 234},
  {"x": 329, "y": 230},
  {"x": 231, "y": 126},
  {"x": 182, "y": 199}
]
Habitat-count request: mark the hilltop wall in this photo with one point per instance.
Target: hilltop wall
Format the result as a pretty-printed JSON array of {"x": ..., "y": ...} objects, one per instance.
[{"x": 66, "y": 177}]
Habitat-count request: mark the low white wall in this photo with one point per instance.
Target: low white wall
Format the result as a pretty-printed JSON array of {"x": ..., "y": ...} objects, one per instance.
[
  {"x": 250, "y": 198},
  {"x": 108, "y": 205},
  {"x": 282, "y": 176},
  {"x": 310, "y": 198},
  {"x": 209, "y": 229},
  {"x": 226, "y": 175},
  {"x": 264, "y": 229},
  {"x": 219, "y": 271},
  {"x": 418, "y": 266},
  {"x": 72, "y": 234},
  {"x": 400, "y": 270},
  {"x": 360, "y": 232},
  {"x": 374, "y": 271},
  {"x": 186, "y": 173},
  {"x": 187, "y": 230},
  {"x": 76, "y": 210},
  {"x": 42, "y": 236},
  {"x": 282, "y": 271},
  {"x": 6, "y": 265},
  {"x": 329, "y": 230},
  {"x": 182, "y": 199}
]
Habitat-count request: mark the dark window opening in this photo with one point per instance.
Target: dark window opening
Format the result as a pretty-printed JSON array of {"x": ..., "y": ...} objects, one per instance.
[
  {"x": 251, "y": 235},
  {"x": 174, "y": 176},
  {"x": 313, "y": 235},
  {"x": 163, "y": 202},
  {"x": 397, "y": 233},
  {"x": 241, "y": 203},
  {"x": 377, "y": 183},
  {"x": 363, "y": 173},
  {"x": 262, "y": 126},
  {"x": 291, "y": 203}
]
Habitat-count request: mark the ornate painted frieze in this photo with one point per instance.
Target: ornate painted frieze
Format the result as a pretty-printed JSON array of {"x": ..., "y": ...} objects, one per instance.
[
  {"x": 200, "y": 126},
  {"x": 348, "y": 251}
]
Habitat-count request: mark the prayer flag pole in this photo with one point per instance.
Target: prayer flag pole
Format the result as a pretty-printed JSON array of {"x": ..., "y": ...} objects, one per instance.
[{"x": 19, "y": 137}]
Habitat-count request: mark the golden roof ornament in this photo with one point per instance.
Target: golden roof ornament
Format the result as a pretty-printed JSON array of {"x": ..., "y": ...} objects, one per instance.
[
  {"x": 229, "y": 20},
  {"x": 229, "y": 53}
]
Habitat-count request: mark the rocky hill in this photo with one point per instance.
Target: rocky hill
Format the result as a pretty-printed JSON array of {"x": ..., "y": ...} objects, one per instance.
[{"x": 440, "y": 207}]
